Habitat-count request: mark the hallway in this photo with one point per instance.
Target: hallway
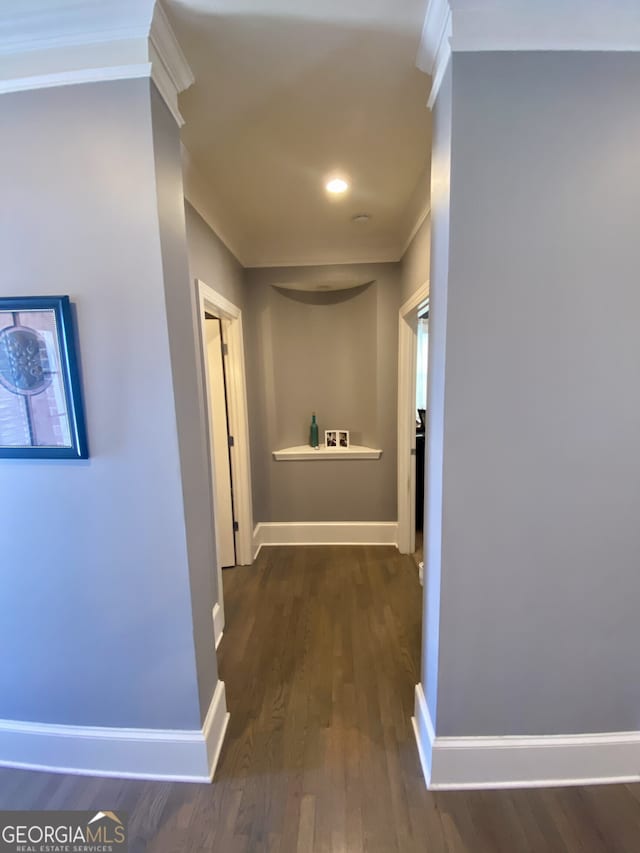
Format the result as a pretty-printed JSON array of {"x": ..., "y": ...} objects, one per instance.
[
  {"x": 320, "y": 688},
  {"x": 320, "y": 658}
]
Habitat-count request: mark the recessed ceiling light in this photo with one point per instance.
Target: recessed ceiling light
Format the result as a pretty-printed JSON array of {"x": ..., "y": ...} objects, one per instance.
[{"x": 336, "y": 186}]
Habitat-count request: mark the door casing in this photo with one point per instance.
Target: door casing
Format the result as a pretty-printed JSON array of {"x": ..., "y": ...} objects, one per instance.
[
  {"x": 219, "y": 433},
  {"x": 212, "y": 302},
  {"x": 407, "y": 357}
]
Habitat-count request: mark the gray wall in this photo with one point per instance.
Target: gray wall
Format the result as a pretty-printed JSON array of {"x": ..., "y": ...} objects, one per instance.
[
  {"x": 335, "y": 353},
  {"x": 439, "y": 275},
  {"x": 539, "y": 629},
  {"x": 188, "y": 383},
  {"x": 211, "y": 261},
  {"x": 95, "y": 615},
  {"x": 415, "y": 263}
]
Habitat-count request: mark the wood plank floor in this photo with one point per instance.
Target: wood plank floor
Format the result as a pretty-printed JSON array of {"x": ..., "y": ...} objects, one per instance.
[{"x": 320, "y": 658}]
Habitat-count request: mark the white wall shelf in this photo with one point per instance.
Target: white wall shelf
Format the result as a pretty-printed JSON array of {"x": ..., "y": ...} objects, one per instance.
[{"x": 310, "y": 454}]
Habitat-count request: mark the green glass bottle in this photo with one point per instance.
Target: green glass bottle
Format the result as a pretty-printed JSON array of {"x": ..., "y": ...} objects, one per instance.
[{"x": 313, "y": 432}]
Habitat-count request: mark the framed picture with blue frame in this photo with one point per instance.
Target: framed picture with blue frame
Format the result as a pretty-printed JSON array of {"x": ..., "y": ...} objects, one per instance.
[{"x": 41, "y": 415}]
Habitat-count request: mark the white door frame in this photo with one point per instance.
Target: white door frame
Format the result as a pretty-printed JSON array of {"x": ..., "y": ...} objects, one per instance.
[
  {"x": 407, "y": 357},
  {"x": 209, "y": 300}
]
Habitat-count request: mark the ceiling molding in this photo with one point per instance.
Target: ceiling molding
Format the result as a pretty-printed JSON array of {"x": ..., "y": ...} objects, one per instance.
[
  {"x": 170, "y": 70},
  {"x": 72, "y": 78},
  {"x": 198, "y": 192},
  {"x": 419, "y": 222},
  {"x": 328, "y": 258},
  {"x": 91, "y": 42},
  {"x": 51, "y": 41},
  {"x": 434, "y": 51},
  {"x": 566, "y": 25},
  {"x": 502, "y": 25},
  {"x": 32, "y": 25}
]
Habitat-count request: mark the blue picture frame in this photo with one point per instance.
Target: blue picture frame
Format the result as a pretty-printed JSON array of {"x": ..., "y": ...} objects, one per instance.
[{"x": 41, "y": 413}]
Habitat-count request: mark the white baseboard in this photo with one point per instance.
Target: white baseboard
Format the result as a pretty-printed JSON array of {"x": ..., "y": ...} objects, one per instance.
[
  {"x": 325, "y": 533},
  {"x": 218, "y": 623},
  {"x": 214, "y": 728},
  {"x": 175, "y": 755},
  {"x": 451, "y": 763},
  {"x": 424, "y": 733}
]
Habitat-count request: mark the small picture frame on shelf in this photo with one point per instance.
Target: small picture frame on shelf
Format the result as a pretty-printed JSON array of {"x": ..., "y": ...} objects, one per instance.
[{"x": 338, "y": 438}]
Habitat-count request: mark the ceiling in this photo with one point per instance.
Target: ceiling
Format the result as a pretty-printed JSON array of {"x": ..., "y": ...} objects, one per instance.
[{"x": 290, "y": 91}]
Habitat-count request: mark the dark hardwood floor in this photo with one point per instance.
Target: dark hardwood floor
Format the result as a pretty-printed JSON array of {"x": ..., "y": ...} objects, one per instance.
[{"x": 320, "y": 658}]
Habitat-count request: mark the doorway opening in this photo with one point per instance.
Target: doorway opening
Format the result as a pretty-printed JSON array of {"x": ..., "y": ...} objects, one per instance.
[
  {"x": 221, "y": 439},
  {"x": 411, "y": 427},
  {"x": 225, "y": 395},
  {"x": 422, "y": 363}
]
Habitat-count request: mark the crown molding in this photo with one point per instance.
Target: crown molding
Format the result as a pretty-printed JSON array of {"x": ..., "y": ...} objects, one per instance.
[
  {"x": 422, "y": 216},
  {"x": 40, "y": 42},
  {"x": 32, "y": 25},
  {"x": 170, "y": 70},
  {"x": 92, "y": 42},
  {"x": 564, "y": 25},
  {"x": 434, "y": 52},
  {"x": 334, "y": 257},
  {"x": 199, "y": 193},
  {"x": 72, "y": 78},
  {"x": 500, "y": 25}
]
